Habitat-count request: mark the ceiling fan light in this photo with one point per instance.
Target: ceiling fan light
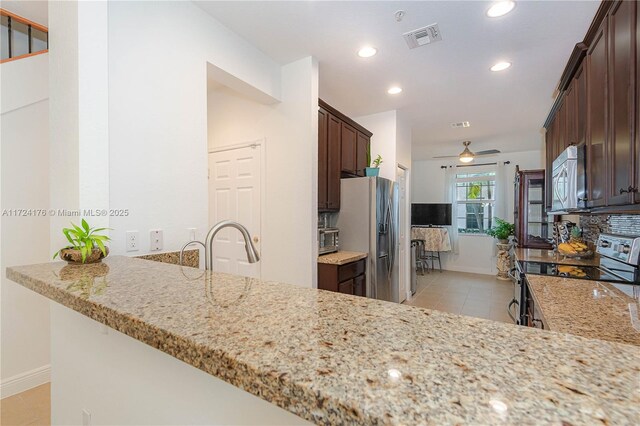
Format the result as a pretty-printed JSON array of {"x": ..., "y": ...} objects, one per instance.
[{"x": 466, "y": 156}]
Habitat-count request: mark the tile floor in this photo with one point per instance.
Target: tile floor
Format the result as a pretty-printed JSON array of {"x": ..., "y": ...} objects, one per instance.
[
  {"x": 32, "y": 407},
  {"x": 474, "y": 295}
]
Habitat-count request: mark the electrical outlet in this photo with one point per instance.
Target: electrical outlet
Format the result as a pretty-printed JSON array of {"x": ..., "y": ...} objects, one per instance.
[
  {"x": 131, "y": 238},
  {"x": 155, "y": 243},
  {"x": 192, "y": 234},
  {"x": 86, "y": 418}
]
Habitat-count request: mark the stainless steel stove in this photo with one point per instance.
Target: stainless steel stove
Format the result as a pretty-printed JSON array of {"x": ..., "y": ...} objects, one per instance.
[{"x": 619, "y": 257}]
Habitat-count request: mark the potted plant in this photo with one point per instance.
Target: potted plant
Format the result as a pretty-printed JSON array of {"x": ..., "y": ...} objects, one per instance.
[
  {"x": 502, "y": 231},
  {"x": 86, "y": 246},
  {"x": 375, "y": 170}
]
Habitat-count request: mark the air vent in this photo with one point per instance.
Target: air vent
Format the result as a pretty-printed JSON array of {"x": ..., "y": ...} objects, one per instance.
[
  {"x": 422, "y": 36},
  {"x": 460, "y": 124}
]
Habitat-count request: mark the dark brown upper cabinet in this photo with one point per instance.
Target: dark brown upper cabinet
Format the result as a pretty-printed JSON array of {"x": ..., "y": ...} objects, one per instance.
[
  {"x": 621, "y": 88},
  {"x": 636, "y": 81},
  {"x": 323, "y": 164},
  {"x": 597, "y": 119},
  {"x": 598, "y": 106},
  {"x": 361, "y": 153},
  {"x": 334, "y": 163},
  {"x": 349, "y": 138},
  {"x": 342, "y": 147}
]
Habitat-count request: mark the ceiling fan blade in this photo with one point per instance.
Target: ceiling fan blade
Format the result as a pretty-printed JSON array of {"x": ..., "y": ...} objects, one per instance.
[
  {"x": 488, "y": 152},
  {"x": 446, "y": 156}
]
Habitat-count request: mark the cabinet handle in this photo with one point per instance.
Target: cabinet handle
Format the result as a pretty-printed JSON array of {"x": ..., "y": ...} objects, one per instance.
[
  {"x": 622, "y": 190},
  {"x": 583, "y": 199},
  {"x": 633, "y": 189},
  {"x": 630, "y": 189}
]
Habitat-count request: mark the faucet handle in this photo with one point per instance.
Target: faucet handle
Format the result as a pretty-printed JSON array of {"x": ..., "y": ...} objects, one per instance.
[{"x": 256, "y": 239}]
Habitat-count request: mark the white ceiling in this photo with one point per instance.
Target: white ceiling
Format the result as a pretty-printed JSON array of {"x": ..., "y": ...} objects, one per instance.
[{"x": 445, "y": 82}]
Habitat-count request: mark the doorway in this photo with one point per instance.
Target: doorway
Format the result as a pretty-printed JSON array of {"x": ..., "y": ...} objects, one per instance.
[
  {"x": 235, "y": 193},
  {"x": 402, "y": 177}
]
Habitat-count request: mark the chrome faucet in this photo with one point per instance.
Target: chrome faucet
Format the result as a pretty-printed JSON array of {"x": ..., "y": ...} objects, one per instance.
[{"x": 252, "y": 254}]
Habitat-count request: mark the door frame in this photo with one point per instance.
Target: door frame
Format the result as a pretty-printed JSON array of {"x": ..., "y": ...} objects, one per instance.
[
  {"x": 262, "y": 143},
  {"x": 405, "y": 261}
]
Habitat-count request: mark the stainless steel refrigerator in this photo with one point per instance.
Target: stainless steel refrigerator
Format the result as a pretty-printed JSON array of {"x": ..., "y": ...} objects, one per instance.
[{"x": 368, "y": 222}]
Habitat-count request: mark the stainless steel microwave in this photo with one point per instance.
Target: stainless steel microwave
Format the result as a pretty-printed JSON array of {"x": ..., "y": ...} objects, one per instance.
[
  {"x": 568, "y": 180},
  {"x": 328, "y": 240}
]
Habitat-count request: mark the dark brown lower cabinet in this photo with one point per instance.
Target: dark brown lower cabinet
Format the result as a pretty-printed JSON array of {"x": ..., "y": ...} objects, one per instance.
[{"x": 348, "y": 279}]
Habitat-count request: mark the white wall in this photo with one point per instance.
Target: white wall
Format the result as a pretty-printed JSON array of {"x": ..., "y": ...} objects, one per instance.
[
  {"x": 290, "y": 130},
  {"x": 383, "y": 141},
  {"x": 119, "y": 380},
  {"x": 158, "y": 114},
  {"x": 477, "y": 252},
  {"x": 25, "y": 239},
  {"x": 158, "y": 132}
]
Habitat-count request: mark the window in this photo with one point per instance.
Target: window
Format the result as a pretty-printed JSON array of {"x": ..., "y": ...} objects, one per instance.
[{"x": 475, "y": 191}]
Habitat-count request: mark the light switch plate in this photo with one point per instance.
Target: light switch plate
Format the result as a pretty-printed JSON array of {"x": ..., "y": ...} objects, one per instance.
[
  {"x": 155, "y": 242},
  {"x": 131, "y": 240}
]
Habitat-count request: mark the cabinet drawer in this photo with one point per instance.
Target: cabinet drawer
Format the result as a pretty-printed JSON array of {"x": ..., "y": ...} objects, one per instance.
[
  {"x": 351, "y": 270},
  {"x": 359, "y": 286}
]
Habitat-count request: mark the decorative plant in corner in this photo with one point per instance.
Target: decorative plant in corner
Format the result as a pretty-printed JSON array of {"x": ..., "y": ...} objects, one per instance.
[
  {"x": 375, "y": 170},
  {"x": 86, "y": 246},
  {"x": 502, "y": 231}
]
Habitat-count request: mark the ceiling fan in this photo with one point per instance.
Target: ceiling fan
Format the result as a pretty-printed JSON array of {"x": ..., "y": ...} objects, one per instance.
[{"x": 467, "y": 156}]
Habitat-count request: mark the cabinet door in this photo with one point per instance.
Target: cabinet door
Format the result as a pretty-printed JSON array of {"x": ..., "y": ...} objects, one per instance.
[
  {"x": 550, "y": 152},
  {"x": 597, "y": 117},
  {"x": 621, "y": 104},
  {"x": 359, "y": 286},
  {"x": 580, "y": 94},
  {"x": 349, "y": 137},
  {"x": 636, "y": 184},
  {"x": 361, "y": 153},
  {"x": 346, "y": 287},
  {"x": 561, "y": 130},
  {"x": 323, "y": 122},
  {"x": 333, "y": 169}
]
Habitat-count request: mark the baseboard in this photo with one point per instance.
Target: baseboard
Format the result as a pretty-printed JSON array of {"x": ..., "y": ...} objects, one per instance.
[
  {"x": 481, "y": 271},
  {"x": 25, "y": 381}
]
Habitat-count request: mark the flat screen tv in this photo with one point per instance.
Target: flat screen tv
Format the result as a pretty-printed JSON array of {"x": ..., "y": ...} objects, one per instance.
[{"x": 426, "y": 214}]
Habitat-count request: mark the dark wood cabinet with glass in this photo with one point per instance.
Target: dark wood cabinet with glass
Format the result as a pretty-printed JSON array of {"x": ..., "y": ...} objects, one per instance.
[{"x": 534, "y": 227}]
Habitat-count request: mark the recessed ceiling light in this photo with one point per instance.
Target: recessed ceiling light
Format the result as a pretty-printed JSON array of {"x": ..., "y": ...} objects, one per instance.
[
  {"x": 501, "y": 66},
  {"x": 394, "y": 90},
  {"x": 367, "y": 52},
  {"x": 501, "y": 8}
]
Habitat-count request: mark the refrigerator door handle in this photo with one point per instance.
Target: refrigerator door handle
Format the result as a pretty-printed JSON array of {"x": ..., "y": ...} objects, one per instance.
[{"x": 390, "y": 248}]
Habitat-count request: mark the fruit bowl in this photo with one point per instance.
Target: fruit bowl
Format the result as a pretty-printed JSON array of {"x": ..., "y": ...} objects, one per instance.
[
  {"x": 587, "y": 254},
  {"x": 575, "y": 250}
]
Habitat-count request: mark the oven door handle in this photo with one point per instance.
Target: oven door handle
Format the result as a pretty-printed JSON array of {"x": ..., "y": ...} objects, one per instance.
[{"x": 513, "y": 302}]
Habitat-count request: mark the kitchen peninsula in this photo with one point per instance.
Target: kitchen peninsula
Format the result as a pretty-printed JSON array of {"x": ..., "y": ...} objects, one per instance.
[{"x": 326, "y": 357}]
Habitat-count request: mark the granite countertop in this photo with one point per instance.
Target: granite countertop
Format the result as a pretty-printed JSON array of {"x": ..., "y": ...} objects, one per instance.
[
  {"x": 341, "y": 257},
  {"x": 549, "y": 256},
  {"x": 592, "y": 309},
  {"x": 338, "y": 359}
]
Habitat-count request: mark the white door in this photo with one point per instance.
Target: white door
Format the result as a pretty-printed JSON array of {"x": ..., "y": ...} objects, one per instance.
[
  {"x": 234, "y": 194},
  {"x": 403, "y": 261}
]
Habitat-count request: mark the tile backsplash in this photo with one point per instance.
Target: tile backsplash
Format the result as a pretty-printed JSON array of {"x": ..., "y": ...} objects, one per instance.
[{"x": 593, "y": 225}]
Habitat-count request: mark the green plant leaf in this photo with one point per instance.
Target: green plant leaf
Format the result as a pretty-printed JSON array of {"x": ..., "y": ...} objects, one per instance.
[
  {"x": 79, "y": 232},
  {"x": 83, "y": 251},
  {"x": 56, "y": 254},
  {"x": 66, "y": 231},
  {"x": 102, "y": 248},
  {"x": 85, "y": 225}
]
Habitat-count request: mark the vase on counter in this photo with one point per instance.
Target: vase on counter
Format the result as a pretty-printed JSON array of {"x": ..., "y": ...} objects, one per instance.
[
  {"x": 371, "y": 171},
  {"x": 503, "y": 260}
]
